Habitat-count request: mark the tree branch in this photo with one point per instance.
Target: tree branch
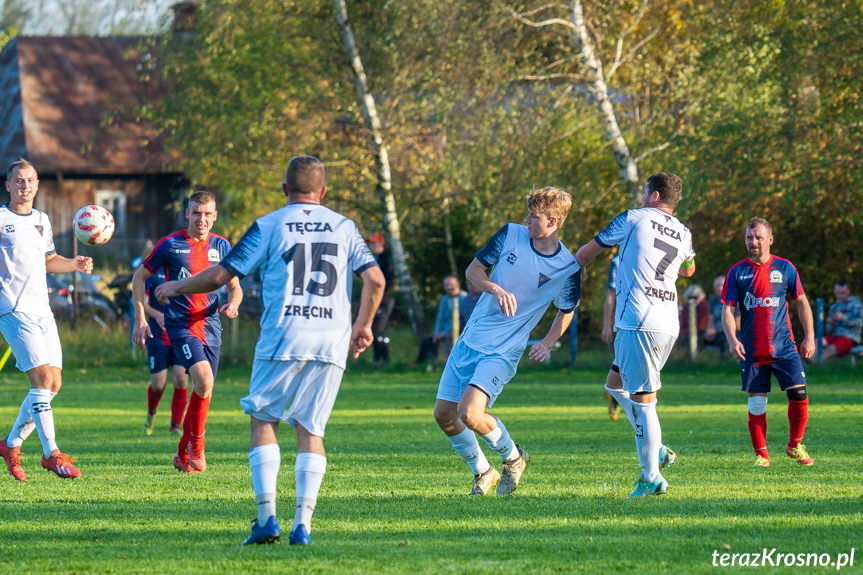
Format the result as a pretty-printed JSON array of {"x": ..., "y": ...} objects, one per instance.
[
  {"x": 541, "y": 24},
  {"x": 658, "y": 148},
  {"x": 631, "y": 53},
  {"x": 607, "y": 191}
]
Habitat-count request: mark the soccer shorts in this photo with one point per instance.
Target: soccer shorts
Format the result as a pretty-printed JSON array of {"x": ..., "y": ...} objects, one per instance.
[
  {"x": 34, "y": 340},
  {"x": 788, "y": 372},
  {"x": 641, "y": 355},
  {"x": 293, "y": 391},
  {"x": 190, "y": 350},
  {"x": 843, "y": 344},
  {"x": 161, "y": 356},
  {"x": 467, "y": 366}
]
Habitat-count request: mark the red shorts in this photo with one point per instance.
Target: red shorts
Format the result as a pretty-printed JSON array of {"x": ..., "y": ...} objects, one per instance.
[{"x": 843, "y": 344}]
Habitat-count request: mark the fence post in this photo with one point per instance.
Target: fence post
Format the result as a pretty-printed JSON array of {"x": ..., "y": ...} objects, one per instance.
[
  {"x": 819, "y": 327},
  {"x": 693, "y": 330}
]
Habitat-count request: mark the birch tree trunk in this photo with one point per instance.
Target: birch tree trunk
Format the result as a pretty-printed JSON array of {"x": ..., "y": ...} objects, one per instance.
[
  {"x": 382, "y": 165},
  {"x": 593, "y": 67}
]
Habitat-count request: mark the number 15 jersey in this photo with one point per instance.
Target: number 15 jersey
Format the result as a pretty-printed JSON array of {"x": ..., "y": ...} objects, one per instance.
[
  {"x": 307, "y": 255},
  {"x": 653, "y": 246}
]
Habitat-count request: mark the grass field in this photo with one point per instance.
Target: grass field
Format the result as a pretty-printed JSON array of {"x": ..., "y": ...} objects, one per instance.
[{"x": 394, "y": 497}]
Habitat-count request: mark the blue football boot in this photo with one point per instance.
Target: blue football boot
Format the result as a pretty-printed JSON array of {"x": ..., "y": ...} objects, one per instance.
[
  {"x": 300, "y": 536},
  {"x": 269, "y": 533}
]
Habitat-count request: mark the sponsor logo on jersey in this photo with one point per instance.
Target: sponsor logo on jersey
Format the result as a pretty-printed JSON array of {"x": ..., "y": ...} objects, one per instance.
[
  {"x": 670, "y": 232},
  {"x": 307, "y": 212},
  {"x": 308, "y": 311},
  {"x": 39, "y": 229},
  {"x": 213, "y": 255},
  {"x": 776, "y": 277},
  {"x": 10, "y": 229},
  {"x": 510, "y": 259},
  {"x": 179, "y": 251},
  {"x": 750, "y": 301},
  {"x": 663, "y": 295},
  {"x": 750, "y": 276},
  {"x": 184, "y": 273},
  {"x": 309, "y": 227},
  {"x": 543, "y": 279}
]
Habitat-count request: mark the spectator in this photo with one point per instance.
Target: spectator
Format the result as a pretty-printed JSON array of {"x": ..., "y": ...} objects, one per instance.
[
  {"x": 467, "y": 304},
  {"x": 845, "y": 323},
  {"x": 702, "y": 314},
  {"x": 714, "y": 334},
  {"x": 381, "y": 343},
  {"x": 443, "y": 327}
]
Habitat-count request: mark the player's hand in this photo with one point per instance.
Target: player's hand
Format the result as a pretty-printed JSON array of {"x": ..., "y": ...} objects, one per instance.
[
  {"x": 737, "y": 350},
  {"x": 539, "y": 352},
  {"x": 807, "y": 348},
  {"x": 160, "y": 319},
  {"x": 607, "y": 334},
  {"x": 361, "y": 338},
  {"x": 166, "y": 291},
  {"x": 506, "y": 301},
  {"x": 84, "y": 264},
  {"x": 229, "y": 310},
  {"x": 140, "y": 335}
]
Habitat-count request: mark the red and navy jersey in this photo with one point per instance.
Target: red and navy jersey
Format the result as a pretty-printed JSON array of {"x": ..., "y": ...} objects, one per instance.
[
  {"x": 178, "y": 256},
  {"x": 762, "y": 292},
  {"x": 150, "y": 286}
]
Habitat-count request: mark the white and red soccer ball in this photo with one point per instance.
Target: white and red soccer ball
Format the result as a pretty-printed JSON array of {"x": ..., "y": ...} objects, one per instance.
[{"x": 93, "y": 225}]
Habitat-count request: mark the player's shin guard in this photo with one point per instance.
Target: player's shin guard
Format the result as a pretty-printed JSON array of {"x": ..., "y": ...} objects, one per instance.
[
  {"x": 648, "y": 438},
  {"x": 798, "y": 416},
  {"x": 153, "y": 399},
  {"x": 199, "y": 409},
  {"x": 43, "y": 418},
  {"x": 758, "y": 424},
  {"x": 622, "y": 398},
  {"x": 23, "y": 426},
  {"x": 178, "y": 406},
  {"x": 499, "y": 440},
  {"x": 466, "y": 445},
  {"x": 309, "y": 471},
  {"x": 264, "y": 462}
]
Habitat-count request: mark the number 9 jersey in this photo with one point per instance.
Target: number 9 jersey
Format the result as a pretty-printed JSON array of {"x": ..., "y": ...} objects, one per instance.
[
  {"x": 307, "y": 255},
  {"x": 653, "y": 247}
]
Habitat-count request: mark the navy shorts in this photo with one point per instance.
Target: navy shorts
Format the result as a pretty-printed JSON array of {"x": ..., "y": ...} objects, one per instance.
[
  {"x": 190, "y": 350},
  {"x": 160, "y": 356},
  {"x": 788, "y": 372}
]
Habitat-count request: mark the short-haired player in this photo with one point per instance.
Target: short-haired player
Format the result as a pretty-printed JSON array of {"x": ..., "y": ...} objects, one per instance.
[
  {"x": 655, "y": 248},
  {"x": 307, "y": 255},
  {"x": 191, "y": 322},
  {"x": 532, "y": 269},
  {"x": 26, "y": 254}
]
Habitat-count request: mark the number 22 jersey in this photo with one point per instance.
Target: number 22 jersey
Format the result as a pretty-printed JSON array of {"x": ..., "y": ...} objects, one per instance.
[
  {"x": 307, "y": 255},
  {"x": 653, "y": 247}
]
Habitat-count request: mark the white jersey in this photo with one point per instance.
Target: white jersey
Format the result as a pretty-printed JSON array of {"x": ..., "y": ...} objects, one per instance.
[
  {"x": 25, "y": 242},
  {"x": 653, "y": 246},
  {"x": 533, "y": 278},
  {"x": 307, "y": 255}
]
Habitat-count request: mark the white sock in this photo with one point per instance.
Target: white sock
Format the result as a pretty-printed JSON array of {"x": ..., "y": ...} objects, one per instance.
[
  {"x": 622, "y": 397},
  {"x": 264, "y": 461},
  {"x": 649, "y": 441},
  {"x": 499, "y": 440},
  {"x": 466, "y": 445},
  {"x": 309, "y": 471},
  {"x": 43, "y": 417},
  {"x": 23, "y": 426}
]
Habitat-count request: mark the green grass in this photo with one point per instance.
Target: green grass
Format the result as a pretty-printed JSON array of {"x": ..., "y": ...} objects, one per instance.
[{"x": 393, "y": 499}]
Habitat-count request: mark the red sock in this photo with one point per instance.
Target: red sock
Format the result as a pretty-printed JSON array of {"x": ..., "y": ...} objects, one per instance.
[
  {"x": 183, "y": 446},
  {"x": 153, "y": 399},
  {"x": 798, "y": 415},
  {"x": 199, "y": 409},
  {"x": 178, "y": 406},
  {"x": 758, "y": 433}
]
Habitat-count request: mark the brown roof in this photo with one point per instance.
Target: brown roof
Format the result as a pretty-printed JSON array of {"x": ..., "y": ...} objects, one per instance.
[{"x": 69, "y": 90}]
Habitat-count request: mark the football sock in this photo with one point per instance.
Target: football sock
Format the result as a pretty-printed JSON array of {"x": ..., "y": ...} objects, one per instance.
[
  {"x": 798, "y": 415},
  {"x": 499, "y": 440},
  {"x": 309, "y": 470},
  {"x": 23, "y": 425},
  {"x": 649, "y": 442},
  {"x": 622, "y": 398},
  {"x": 43, "y": 418},
  {"x": 264, "y": 461},
  {"x": 183, "y": 446},
  {"x": 199, "y": 409},
  {"x": 178, "y": 406},
  {"x": 466, "y": 445},
  {"x": 758, "y": 424},
  {"x": 153, "y": 399}
]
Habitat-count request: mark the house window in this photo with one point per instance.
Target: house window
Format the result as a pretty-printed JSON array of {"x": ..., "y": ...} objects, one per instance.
[{"x": 115, "y": 202}]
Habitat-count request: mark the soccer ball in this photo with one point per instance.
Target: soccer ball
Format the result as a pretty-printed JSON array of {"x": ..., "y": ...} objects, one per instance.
[{"x": 93, "y": 225}]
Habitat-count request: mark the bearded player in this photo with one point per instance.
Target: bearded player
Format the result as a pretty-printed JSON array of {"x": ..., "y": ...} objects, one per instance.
[{"x": 191, "y": 321}]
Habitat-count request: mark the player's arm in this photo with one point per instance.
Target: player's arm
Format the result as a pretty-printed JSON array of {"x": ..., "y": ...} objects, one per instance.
[
  {"x": 561, "y": 323},
  {"x": 55, "y": 264},
  {"x": 588, "y": 252},
  {"x": 141, "y": 330},
  {"x": 235, "y": 297},
  {"x": 153, "y": 312},
  {"x": 476, "y": 274},
  {"x": 370, "y": 298},
  {"x": 687, "y": 269},
  {"x": 205, "y": 281},
  {"x": 804, "y": 311},
  {"x": 729, "y": 327}
]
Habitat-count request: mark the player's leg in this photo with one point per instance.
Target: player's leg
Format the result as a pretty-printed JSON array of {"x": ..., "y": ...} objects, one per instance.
[
  {"x": 202, "y": 364},
  {"x": 264, "y": 461},
  {"x": 43, "y": 417},
  {"x": 155, "y": 391},
  {"x": 614, "y": 388},
  {"x": 180, "y": 398},
  {"x": 756, "y": 382},
  {"x": 792, "y": 380}
]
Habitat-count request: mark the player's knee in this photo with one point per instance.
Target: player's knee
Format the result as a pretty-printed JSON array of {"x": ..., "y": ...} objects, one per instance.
[
  {"x": 470, "y": 415},
  {"x": 796, "y": 394},
  {"x": 445, "y": 415},
  {"x": 758, "y": 404}
]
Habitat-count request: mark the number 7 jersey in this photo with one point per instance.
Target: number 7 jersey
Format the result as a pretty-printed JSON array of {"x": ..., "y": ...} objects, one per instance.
[
  {"x": 307, "y": 255},
  {"x": 653, "y": 247}
]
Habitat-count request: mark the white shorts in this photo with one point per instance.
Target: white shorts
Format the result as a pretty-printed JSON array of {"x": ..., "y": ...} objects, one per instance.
[
  {"x": 34, "y": 340},
  {"x": 295, "y": 392},
  {"x": 641, "y": 355},
  {"x": 467, "y": 366}
]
